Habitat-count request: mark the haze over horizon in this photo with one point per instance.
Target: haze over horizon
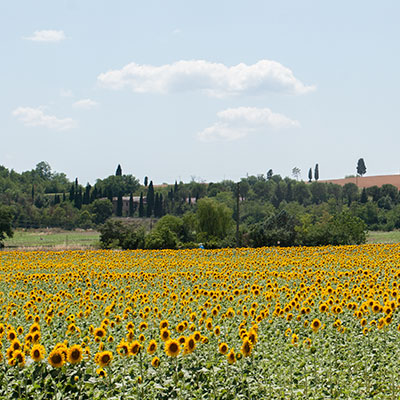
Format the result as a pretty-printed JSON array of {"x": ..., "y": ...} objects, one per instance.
[{"x": 209, "y": 91}]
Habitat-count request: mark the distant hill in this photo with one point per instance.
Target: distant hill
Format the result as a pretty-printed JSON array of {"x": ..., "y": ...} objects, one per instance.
[{"x": 368, "y": 181}]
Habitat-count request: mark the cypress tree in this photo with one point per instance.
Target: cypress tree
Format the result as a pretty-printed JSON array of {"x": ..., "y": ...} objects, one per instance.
[
  {"x": 131, "y": 205},
  {"x": 150, "y": 200},
  {"x": 119, "y": 205},
  {"x": 364, "y": 197},
  {"x": 270, "y": 174},
  {"x": 141, "y": 206},
  {"x": 86, "y": 196},
  {"x": 72, "y": 193},
  {"x": 118, "y": 172},
  {"x": 78, "y": 199},
  {"x": 316, "y": 172},
  {"x": 94, "y": 194},
  {"x": 361, "y": 168},
  {"x": 310, "y": 175},
  {"x": 156, "y": 206},
  {"x": 161, "y": 205},
  {"x": 146, "y": 181}
]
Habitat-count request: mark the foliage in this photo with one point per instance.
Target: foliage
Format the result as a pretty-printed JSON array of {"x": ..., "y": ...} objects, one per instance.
[
  {"x": 101, "y": 210},
  {"x": 276, "y": 230},
  {"x": 214, "y": 219},
  {"x": 6, "y": 217}
]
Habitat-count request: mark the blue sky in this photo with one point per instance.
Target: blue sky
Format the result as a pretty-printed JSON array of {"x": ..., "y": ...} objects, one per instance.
[{"x": 209, "y": 90}]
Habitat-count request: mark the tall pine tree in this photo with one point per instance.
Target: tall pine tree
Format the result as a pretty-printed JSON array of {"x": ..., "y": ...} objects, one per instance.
[
  {"x": 141, "y": 206},
  {"x": 118, "y": 172},
  {"x": 361, "y": 168},
  {"x": 316, "y": 172},
  {"x": 119, "y": 205},
  {"x": 86, "y": 196},
  {"x": 131, "y": 205},
  {"x": 150, "y": 200}
]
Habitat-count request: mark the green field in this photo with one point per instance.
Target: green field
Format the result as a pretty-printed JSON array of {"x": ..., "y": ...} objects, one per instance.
[
  {"x": 383, "y": 237},
  {"x": 53, "y": 239},
  {"x": 77, "y": 239}
]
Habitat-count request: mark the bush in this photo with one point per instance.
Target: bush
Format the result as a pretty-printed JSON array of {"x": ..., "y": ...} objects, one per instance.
[{"x": 161, "y": 238}]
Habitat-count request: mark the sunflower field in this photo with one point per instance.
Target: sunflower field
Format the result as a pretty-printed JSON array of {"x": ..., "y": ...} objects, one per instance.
[{"x": 267, "y": 323}]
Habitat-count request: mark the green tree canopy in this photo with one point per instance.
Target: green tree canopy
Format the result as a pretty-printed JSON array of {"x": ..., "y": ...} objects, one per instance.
[
  {"x": 214, "y": 219},
  {"x": 6, "y": 217}
]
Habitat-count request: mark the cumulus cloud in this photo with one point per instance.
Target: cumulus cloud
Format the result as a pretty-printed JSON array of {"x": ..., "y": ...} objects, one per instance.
[
  {"x": 215, "y": 79},
  {"x": 85, "y": 104},
  {"x": 237, "y": 123},
  {"x": 36, "y": 117},
  {"x": 47, "y": 36}
]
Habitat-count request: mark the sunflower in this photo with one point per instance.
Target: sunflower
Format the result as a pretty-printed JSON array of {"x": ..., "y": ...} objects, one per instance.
[
  {"x": 209, "y": 324},
  {"x": 37, "y": 352},
  {"x": 165, "y": 334},
  {"x": 11, "y": 335},
  {"x": 231, "y": 357},
  {"x": 197, "y": 336},
  {"x": 56, "y": 358},
  {"x": 104, "y": 358},
  {"x": 155, "y": 362},
  {"x": 163, "y": 324},
  {"x": 295, "y": 339},
  {"x": 101, "y": 372},
  {"x": 75, "y": 354},
  {"x": 315, "y": 324},
  {"x": 36, "y": 336},
  {"x": 172, "y": 348},
  {"x": 217, "y": 331},
  {"x": 252, "y": 335},
  {"x": 16, "y": 345},
  {"x": 123, "y": 349},
  {"x": 18, "y": 358},
  {"x": 223, "y": 348},
  {"x": 152, "y": 347},
  {"x": 135, "y": 348},
  {"x": 246, "y": 348},
  {"x": 99, "y": 333},
  {"x": 180, "y": 327},
  {"x": 190, "y": 345},
  {"x": 182, "y": 340},
  {"x": 143, "y": 326}
]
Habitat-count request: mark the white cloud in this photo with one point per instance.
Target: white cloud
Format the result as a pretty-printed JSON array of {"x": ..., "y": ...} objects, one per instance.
[
  {"x": 47, "y": 36},
  {"x": 215, "y": 79},
  {"x": 236, "y": 123},
  {"x": 85, "y": 104},
  {"x": 36, "y": 117}
]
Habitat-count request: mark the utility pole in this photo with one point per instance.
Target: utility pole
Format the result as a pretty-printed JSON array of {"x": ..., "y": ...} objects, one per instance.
[{"x": 238, "y": 215}]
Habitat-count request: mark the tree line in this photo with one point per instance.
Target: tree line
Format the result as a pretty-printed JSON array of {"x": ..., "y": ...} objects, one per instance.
[{"x": 272, "y": 210}]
